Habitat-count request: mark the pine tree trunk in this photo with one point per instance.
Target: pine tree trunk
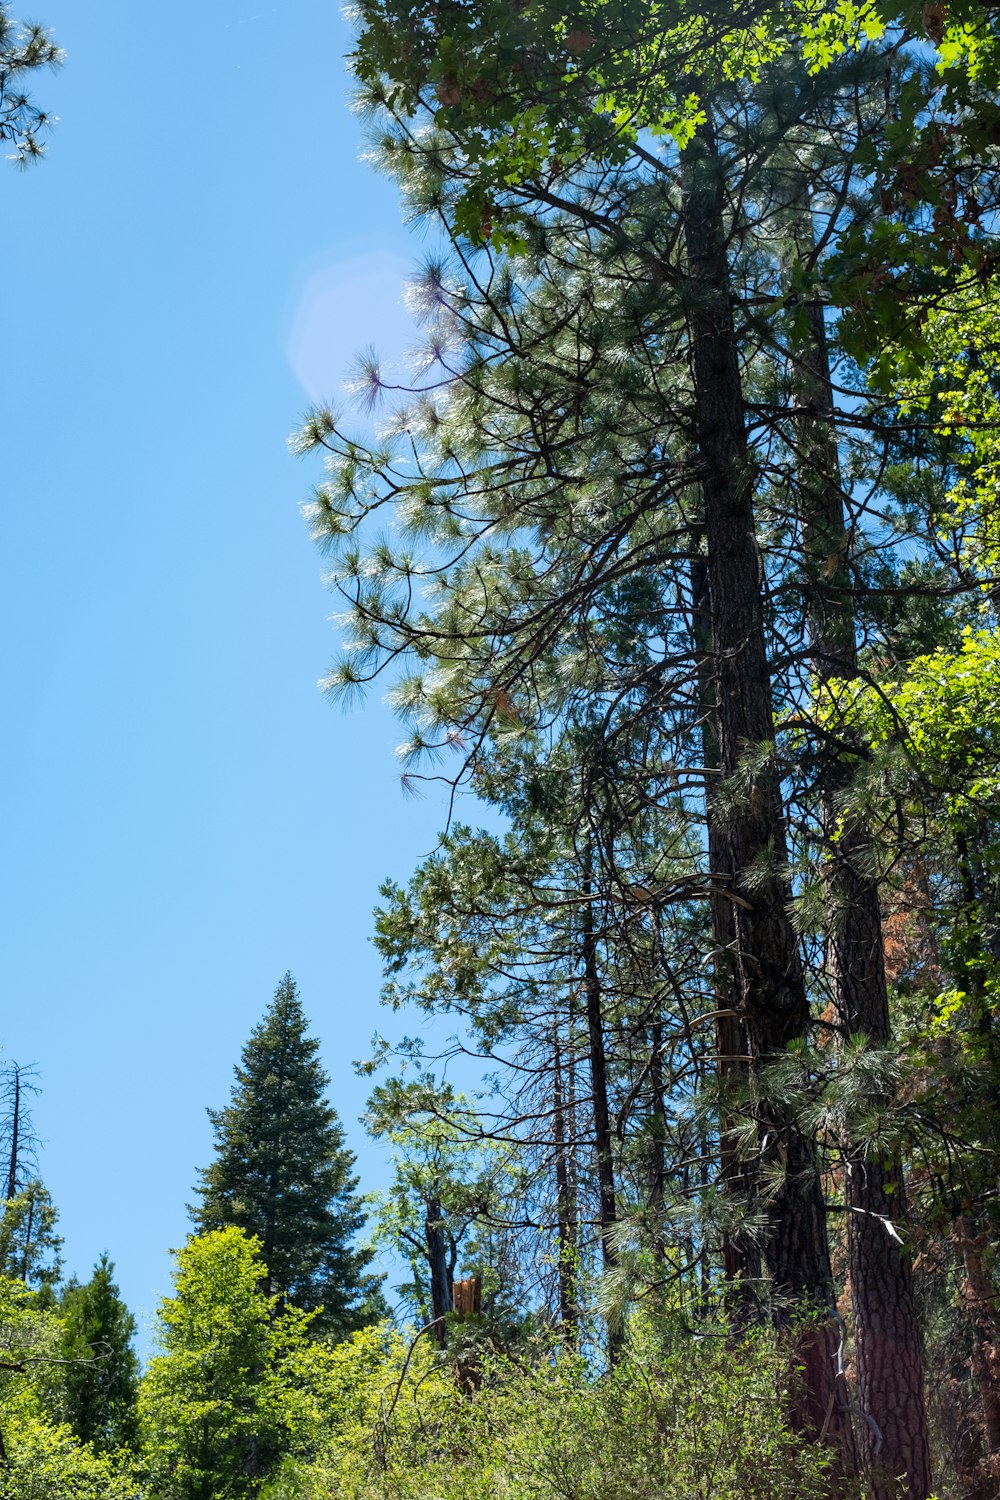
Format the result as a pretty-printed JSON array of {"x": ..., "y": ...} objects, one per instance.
[
  {"x": 741, "y": 1265},
  {"x": 888, "y": 1346},
  {"x": 752, "y": 839},
  {"x": 889, "y": 1355},
  {"x": 980, "y": 1297},
  {"x": 657, "y": 1166},
  {"x": 978, "y": 1283},
  {"x": 603, "y": 1142},
  {"x": 566, "y": 1212}
]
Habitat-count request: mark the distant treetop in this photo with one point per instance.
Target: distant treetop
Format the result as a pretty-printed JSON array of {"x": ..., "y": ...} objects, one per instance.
[{"x": 282, "y": 1172}]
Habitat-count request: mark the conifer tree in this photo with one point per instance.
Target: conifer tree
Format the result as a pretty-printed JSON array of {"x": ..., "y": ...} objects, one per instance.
[
  {"x": 282, "y": 1172},
  {"x": 552, "y": 465},
  {"x": 98, "y": 1369},
  {"x": 29, "y": 1244}
]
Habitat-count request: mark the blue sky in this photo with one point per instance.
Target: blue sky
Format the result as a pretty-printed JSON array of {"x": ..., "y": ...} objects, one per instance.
[{"x": 186, "y": 817}]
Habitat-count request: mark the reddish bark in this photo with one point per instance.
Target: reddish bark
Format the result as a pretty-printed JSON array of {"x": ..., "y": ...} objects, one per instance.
[{"x": 892, "y": 1436}]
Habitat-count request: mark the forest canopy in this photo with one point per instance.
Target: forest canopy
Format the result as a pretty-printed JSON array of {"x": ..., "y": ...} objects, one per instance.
[
  {"x": 678, "y": 556},
  {"x": 680, "y": 553}
]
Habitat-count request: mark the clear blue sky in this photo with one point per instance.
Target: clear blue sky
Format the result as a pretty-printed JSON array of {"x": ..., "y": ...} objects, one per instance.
[{"x": 186, "y": 817}]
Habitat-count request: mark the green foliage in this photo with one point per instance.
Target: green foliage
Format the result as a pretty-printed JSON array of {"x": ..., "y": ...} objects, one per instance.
[
  {"x": 29, "y": 1245},
  {"x": 526, "y": 105},
  {"x": 371, "y": 1392},
  {"x": 934, "y": 735},
  {"x": 700, "y": 1421},
  {"x": 452, "y": 1186},
  {"x": 930, "y": 782},
  {"x": 533, "y": 92},
  {"x": 283, "y": 1173},
  {"x": 233, "y": 1390},
  {"x": 634, "y": 193},
  {"x": 42, "y": 1459},
  {"x": 46, "y": 1462},
  {"x": 23, "y": 50},
  {"x": 95, "y": 1385},
  {"x": 952, "y": 385}
]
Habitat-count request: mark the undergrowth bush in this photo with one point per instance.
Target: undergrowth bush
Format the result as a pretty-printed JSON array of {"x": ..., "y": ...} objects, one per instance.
[{"x": 701, "y": 1422}]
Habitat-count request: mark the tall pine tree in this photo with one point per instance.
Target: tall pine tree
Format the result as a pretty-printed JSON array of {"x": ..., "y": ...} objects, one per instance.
[{"x": 282, "y": 1172}]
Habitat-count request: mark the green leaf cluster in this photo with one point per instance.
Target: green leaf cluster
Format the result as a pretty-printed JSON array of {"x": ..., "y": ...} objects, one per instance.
[{"x": 234, "y": 1386}]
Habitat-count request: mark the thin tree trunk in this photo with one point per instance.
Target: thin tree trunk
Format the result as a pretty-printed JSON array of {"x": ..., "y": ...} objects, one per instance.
[
  {"x": 437, "y": 1263},
  {"x": 566, "y": 1214},
  {"x": 15, "y": 1137},
  {"x": 740, "y": 1255},
  {"x": 656, "y": 1188},
  {"x": 752, "y": 838},
  {"x": 28, "y": 1230},
  {"x": 603, "y": 1142},
  {"x": 888, "y": 1346}
]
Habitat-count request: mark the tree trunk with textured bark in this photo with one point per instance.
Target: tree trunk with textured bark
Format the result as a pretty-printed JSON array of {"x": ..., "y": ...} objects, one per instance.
[
  {"x": 768, "y": 970},
  {"x": 888, "y": 1348},
  {"x": 980, "y": 1297},
  {"x": 437, "y": 1265},
  {"x": 741, "y": 1265}
]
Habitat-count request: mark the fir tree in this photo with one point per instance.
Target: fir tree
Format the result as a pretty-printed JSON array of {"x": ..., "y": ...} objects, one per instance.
[
  {"x": 282, "y": 1172},
  {"x": 99, "y": 1375}
]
